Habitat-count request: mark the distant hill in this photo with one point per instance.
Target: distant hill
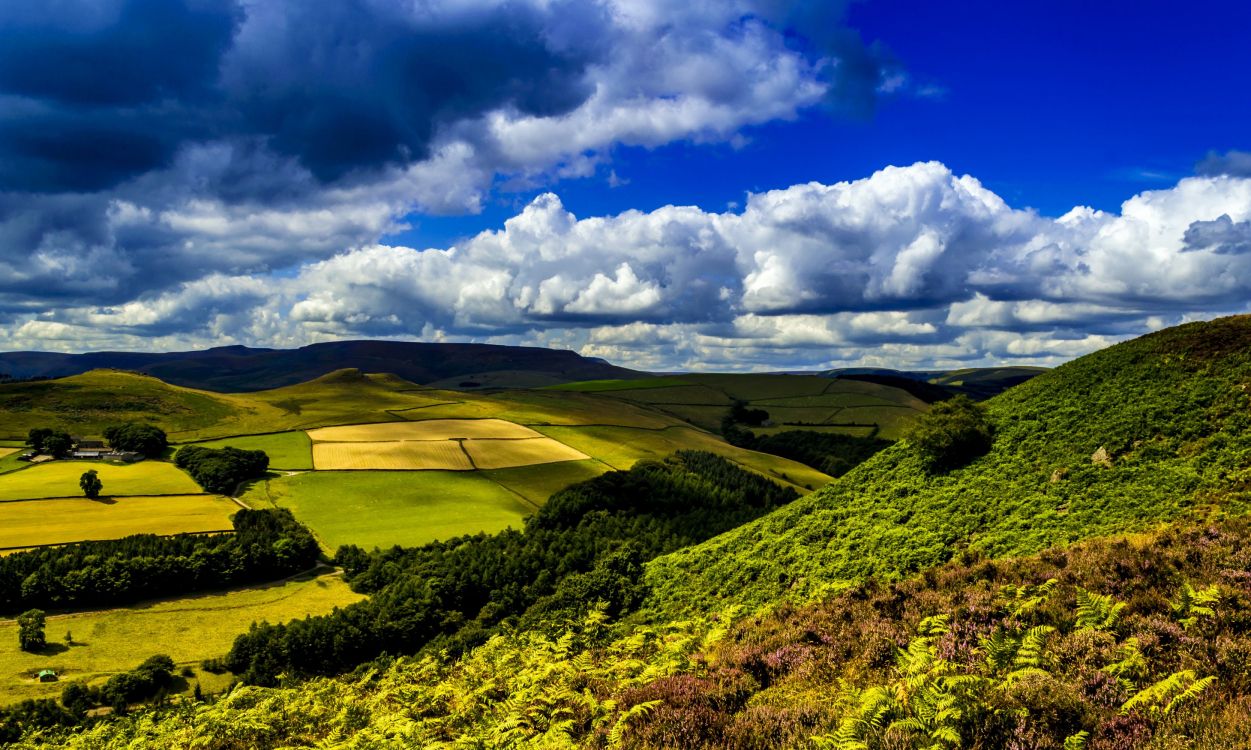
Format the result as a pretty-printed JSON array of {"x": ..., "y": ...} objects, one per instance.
[
  {"x": 979, "y": 383},
  {"x": 233, "y": 369}
]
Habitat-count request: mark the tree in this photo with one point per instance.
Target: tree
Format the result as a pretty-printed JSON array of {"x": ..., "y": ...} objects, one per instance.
[
  {"x": 30, "y": 630},
  {"x": 47, "y": 440},
  {"x": 91, "y": 484},
  {"x": 147, "y": 439},
  {"x": 954, "y": 433}
]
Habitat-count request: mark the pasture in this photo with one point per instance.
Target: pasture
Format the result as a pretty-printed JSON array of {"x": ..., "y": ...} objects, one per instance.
[
  {"x": 622, "y": 447},
  {"x": 189, "y": 629},
  {"x": 384, "y": 508},
  {"x": 60, "y": 479},
  {"x": 408, "y": 454},
  {"x": 502, "y": 454},
  {"x": 30, "y": 523},
  {"x": 538, "y": 482},
  {"x": 286, "y": 450}
]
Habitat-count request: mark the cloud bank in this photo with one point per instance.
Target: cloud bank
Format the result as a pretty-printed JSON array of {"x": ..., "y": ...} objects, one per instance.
[{"x": 911, "y": 266}]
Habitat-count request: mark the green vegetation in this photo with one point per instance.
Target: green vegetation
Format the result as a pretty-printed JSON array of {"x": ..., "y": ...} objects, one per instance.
[
  {"x": 539, "y": 482},
  {"x": 954, "y": 433},
  {"x": 91, "y": 484},
  {"x": 586, "y": 544},
  {"x": 189, "y": 629},
  {"x": 385, "y": 508},
  {"x": 60, "y": 479},
  {"x": 147, "y": 439},
  {"x": 30, "y": 630},
  {"x": 32, "y": 523},
  {"x": 47, "y": 440},
  {"x": 265, "y": 545},
  {"x": 291, "y": 451},
  {"x": 601, "y": 386},
  {"x": 221, "y": 469},
  {"x": 1170, "y": 409}
]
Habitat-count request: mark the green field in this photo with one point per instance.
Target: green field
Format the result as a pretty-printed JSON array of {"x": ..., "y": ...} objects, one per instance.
[
  {"x": 601, "y": 386},
  {"x": 622, "y": 447},
  {"x": 385, "y": 508},
  {"x": 286, "y": 450},
  {"x": 189, "y": 630},
  {"x": 539, "y": 482},
  {"x": 31, "y": 523},
  {"x": 60, "y": 479}
]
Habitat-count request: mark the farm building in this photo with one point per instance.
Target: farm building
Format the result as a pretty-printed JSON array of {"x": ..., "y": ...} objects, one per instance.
[
  {"x": 46, "y": 675},
  {"x": 88, "y": 454},
  {"x": 127, "y": 456}
]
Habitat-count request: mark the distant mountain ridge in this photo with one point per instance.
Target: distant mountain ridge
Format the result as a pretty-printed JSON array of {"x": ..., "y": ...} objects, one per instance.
[{"x": 241, "y": 368}]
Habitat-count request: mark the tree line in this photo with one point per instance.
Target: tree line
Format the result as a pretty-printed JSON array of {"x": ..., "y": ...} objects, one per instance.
[
  {"x": 267, "y": 544},
  {"x": 587, "y": 544},
  {"x": 827, "y": 452}
]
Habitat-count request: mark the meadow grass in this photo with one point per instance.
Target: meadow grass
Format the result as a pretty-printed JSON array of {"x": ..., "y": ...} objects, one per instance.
[
  {"x": 501, "y": 454},
  {"x": 286, "y": 450},
  {"x": 549, "y": 407},
  {"x": 425, "y": 429},
  {"x": 385, "y": 508},
  {"x": 622, "y": 447},
  {"x": 7, "y": 451},
  {"x": 188, "y": 629},
  {"x": 11, "y": 462},
  {"x": 60, "y": 479},
  {"x": 601, "y": 386},
  {"x": 30, "y": 523},
  {"x": 539, "y": 482},
  {"x": 408, "y": 454}
]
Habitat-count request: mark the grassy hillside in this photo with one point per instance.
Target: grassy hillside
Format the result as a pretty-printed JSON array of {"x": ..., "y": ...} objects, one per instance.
[
  {"x": 792, "y": 401},
  {"x": 1173, "y": 409}
]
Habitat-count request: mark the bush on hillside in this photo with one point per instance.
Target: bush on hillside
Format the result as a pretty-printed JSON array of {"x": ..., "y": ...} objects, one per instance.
[
  {"x": 138, "y": 437},
  {"x": 954, "y": 433}
]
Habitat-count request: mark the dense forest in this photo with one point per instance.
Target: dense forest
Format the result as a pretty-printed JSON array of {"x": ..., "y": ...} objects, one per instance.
[
  {"x": 266, "y": 545},
  {"x": 587, "y": 544}
]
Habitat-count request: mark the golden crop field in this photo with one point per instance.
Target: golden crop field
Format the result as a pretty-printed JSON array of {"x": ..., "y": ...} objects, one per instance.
[
  {"x": 430, "y": 429},
  {"x": 408, "y": 454},
  {"x": 502, "y": 454},
  {"x": 8, "y": 451},
  {"x": 29, "y": 523}
]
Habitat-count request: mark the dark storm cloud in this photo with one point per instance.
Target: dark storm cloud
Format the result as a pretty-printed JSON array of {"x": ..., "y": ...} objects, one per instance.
[
  {"x": 1232, "y": 163},
  {"x": 1222, "y": 236},
  {"x": 95, "y": 93}
]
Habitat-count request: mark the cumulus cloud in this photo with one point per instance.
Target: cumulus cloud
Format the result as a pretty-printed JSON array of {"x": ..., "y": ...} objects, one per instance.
[{"x": 911, "y": 266}]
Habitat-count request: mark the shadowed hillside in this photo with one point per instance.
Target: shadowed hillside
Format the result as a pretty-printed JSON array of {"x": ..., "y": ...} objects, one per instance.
[{"x": 239, "y": 368}]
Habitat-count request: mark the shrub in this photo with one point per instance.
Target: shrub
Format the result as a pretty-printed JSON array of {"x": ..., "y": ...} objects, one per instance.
[{"x": 136, "y": 436}]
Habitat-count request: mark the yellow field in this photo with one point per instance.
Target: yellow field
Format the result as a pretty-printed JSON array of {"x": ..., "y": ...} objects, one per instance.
[
  {"x": 430, "y": 429},
  {"x": 60, "y": 479},
  {"x": 29, "y": 523},
  {"x": 502, "y": 454},
  {"x": 409, "y": 454},
  {"x": 8, "y": 451}
]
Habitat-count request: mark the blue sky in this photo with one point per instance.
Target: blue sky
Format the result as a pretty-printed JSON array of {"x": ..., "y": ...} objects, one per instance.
[
  {"x": 725, "y": 184},
  {"x": 1051, "y": 105}
]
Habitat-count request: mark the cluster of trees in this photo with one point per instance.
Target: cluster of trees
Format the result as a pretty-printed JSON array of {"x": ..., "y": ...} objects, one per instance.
[
  {"x": 50, "y": 441},
  {"x": 221, "y": 469},
  {"x": 587, "y": 544},
  {"x": 827, "y": 452},
  {"x": 267, "y": 544},
  {"x": 951, "y": 435},
  {"x": 30, "y": 630},
  {"x": 139, "y": 437}
]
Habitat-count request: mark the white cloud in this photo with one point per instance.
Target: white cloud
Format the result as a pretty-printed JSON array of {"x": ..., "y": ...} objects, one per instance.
[{"x": 910, "y": 266}]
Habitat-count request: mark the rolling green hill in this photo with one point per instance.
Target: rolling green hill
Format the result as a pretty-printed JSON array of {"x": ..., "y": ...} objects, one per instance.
[{"x": 1172, "y": 409}]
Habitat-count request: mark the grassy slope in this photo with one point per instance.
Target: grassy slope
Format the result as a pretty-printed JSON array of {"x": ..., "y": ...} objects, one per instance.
[
  {"x": 384, "y": 508},
  {"x": 286, "y": 450},
  {"x": 1173, "y": 407},
  {"x": 189, "y": 630},
  {"x": 74, "y": 519},
  {"x": 60, "y": 479}
]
